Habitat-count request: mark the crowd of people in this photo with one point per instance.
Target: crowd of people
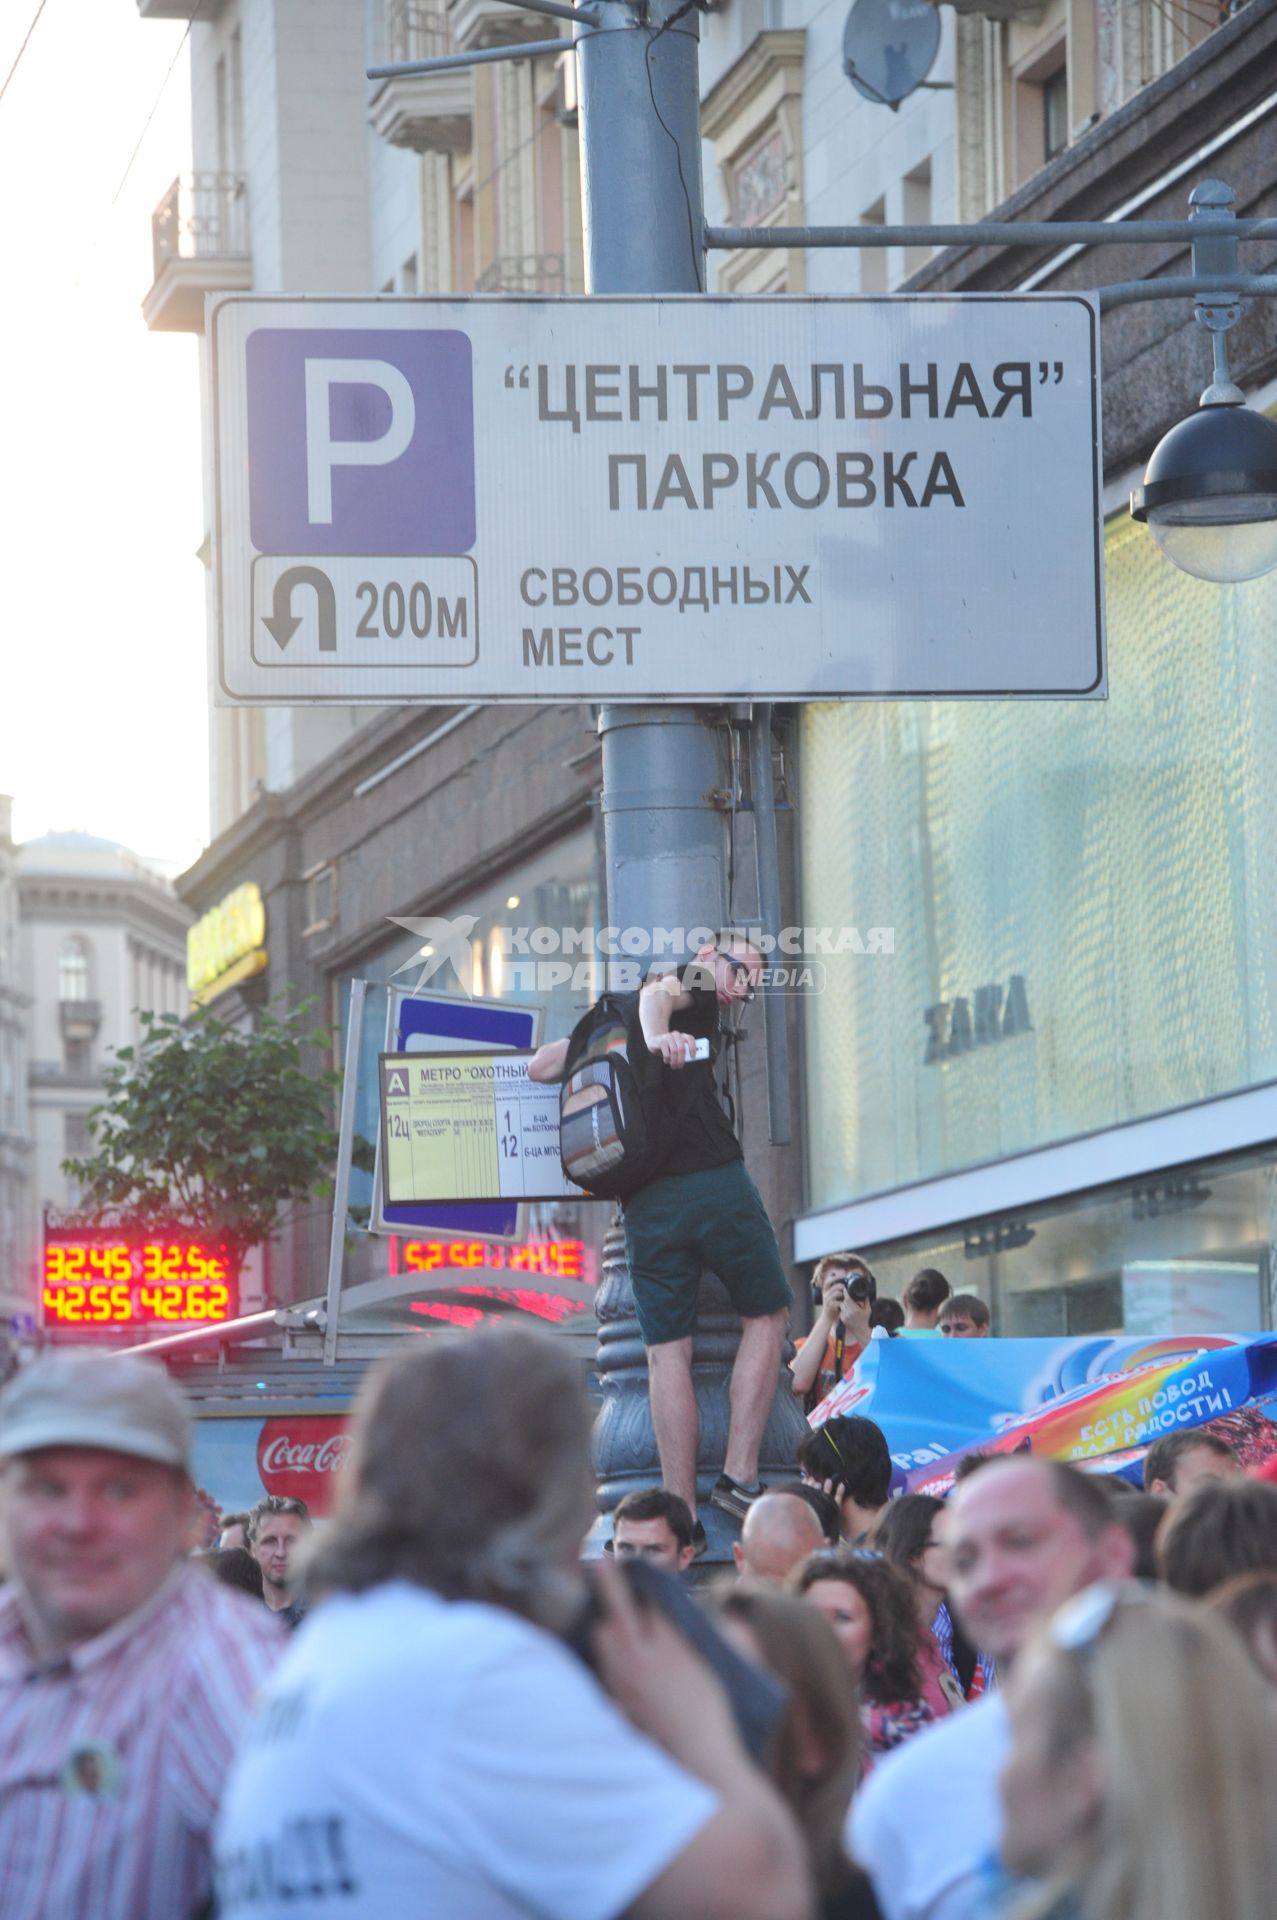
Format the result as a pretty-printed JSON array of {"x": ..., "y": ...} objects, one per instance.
[{"x": 907, "y": 1708}]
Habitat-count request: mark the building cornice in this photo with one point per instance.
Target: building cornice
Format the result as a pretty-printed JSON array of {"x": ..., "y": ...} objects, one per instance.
[
  {"x": 46, "y": 899},
  {"x": 1160, "y": 125},
  {"x": 770, "y": 57}
]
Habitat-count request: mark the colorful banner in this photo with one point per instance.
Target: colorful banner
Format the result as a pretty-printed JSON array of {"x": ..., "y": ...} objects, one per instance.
[{"x": 1099, "y": 1402}]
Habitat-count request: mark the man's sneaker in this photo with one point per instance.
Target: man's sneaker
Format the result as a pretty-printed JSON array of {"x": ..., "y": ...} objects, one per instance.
[
  {"x": 700, "y": 1545},
  {"x": 730, "y": 1497}
]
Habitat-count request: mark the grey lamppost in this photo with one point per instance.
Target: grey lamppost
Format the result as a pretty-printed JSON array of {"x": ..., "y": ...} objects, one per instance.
[{"x": 1209, "y": 496}]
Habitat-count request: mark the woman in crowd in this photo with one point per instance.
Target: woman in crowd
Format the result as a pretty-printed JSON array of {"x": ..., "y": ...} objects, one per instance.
[
  {"x": 1142, "y": 1773},
  {"x": 815, "y": 1759},
  {"x": 910, "y": 1535},
  {"x": 871, "y": 1609}
]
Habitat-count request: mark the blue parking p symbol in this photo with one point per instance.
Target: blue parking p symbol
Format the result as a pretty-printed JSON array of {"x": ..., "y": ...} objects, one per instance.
[{"x": 360, "y": 442}]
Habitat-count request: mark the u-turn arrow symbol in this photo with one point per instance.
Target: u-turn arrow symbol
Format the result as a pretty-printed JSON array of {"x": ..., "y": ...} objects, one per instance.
[{"x": 281, "y": 623}]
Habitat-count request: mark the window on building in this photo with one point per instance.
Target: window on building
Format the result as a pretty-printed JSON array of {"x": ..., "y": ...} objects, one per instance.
[
  {"x": 73, "y": 969},
  {"x": 321, "y": 898},
  {"x": 75, "y": 1135},
  {"x": 1040, "y": 108},
  {"x": 1055, "y": 113}
]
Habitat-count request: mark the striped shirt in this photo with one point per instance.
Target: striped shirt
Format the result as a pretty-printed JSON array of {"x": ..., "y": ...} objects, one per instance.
[
  {"x": 113, "y": 1755},
  {"x": 985, "y": 1678}
]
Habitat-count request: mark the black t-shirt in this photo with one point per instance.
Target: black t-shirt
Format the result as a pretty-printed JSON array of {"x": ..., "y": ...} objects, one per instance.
[
  {"x": 698, "y": 1133},
  {"x": 853, "y": 1901}
]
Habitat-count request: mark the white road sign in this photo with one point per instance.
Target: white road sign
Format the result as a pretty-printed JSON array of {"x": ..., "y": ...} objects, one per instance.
[{"x": 658, "y": 498}]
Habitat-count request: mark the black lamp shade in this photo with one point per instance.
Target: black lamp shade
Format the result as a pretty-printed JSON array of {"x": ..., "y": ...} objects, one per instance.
[{"x": 1219, "y": 457}]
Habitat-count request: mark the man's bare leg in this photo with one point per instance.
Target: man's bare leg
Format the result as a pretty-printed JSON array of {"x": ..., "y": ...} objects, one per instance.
[
  {"x": 673, "y": 1399},
  {"x": 753, "y": 1389}
]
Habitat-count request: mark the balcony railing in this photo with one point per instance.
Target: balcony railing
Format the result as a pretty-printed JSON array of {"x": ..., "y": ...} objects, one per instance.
[
  {"x": 523, "y": 273},
  {"x": 202, "y": 216},
  {"x": 490, "y": 23},
  {"x": 79, "y": 1019},
  {"x": 416, "y": 33},
  {"x": 425, "y": 112}
]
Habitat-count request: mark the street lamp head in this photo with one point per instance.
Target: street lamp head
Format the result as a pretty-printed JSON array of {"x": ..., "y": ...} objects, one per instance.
[{"x": 1209, "y": 496}]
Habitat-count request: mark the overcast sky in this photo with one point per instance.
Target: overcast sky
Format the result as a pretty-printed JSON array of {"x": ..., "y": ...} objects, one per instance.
[{"x": 103, "y": 721}]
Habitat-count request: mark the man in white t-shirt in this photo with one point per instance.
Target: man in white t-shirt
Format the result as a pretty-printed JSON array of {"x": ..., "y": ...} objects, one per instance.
[
  {"x": 1025, "y": 1535},
  {"x": 431, "y": 1745}
]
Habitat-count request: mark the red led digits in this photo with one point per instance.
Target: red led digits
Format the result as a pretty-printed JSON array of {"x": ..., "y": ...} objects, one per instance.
[
  {"x": 564, "y": 1259},
  {"x": 101, "y": 1281}
]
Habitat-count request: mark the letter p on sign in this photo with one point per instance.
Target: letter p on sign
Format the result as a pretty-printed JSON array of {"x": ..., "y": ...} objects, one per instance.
[
  {"x": 323, "y": 452},
  {"x": 360, "y": 441}
]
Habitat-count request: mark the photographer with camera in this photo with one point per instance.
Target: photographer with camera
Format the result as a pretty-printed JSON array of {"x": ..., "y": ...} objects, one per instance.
[{"x": 844, "y": 1291}]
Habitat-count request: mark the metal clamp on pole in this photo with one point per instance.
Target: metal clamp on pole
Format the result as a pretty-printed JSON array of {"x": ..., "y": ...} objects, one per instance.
[{"x": 1215, "y": 253}]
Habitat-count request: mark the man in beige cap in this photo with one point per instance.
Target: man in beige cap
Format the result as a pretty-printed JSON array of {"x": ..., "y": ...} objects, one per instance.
[{"x": 126, "y": 1674}]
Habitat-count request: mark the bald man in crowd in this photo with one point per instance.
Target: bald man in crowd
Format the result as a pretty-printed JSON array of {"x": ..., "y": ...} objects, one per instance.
[{"x": 777, "y": 1534}]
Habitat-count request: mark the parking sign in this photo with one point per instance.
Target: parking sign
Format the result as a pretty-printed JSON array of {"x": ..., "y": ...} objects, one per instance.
[
  {"x": 360, "y": 442},
  {"x": 657, "y": 498}
]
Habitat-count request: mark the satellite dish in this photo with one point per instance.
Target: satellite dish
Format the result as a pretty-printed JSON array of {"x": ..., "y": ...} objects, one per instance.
[{"x": 889, "y": 47}]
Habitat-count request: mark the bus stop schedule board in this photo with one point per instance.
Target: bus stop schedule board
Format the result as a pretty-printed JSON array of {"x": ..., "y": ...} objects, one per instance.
[
  {"x": 657, "y": 498},
  {"x": 419, "y": 1022},
  {"x": 469, "y": 1126}
]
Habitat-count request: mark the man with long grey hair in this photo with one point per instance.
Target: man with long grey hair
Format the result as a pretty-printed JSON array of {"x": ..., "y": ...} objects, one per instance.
[{"x": 432, "y": 1746}]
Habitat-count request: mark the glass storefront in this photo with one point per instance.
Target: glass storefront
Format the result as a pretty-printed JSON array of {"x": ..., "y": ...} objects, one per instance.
[
  {"x": 1081, "y": 897},
  {"x": 1081, "y": 901},
  {"x": 1190, "y": 1251}
]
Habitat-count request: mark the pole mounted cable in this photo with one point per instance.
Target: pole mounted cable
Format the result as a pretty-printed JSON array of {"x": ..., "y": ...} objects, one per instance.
[{"x": 155, "y": 106}]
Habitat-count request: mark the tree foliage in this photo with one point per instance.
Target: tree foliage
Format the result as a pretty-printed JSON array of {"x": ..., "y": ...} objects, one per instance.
[{"x": 207, "y": 1126}]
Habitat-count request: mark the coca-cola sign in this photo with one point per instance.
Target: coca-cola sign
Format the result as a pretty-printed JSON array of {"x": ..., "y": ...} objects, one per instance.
[{"x": 300, "y": 1456}]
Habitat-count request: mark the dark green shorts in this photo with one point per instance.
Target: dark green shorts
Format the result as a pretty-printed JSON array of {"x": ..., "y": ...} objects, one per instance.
[{"x": 685, "y": 1222}]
